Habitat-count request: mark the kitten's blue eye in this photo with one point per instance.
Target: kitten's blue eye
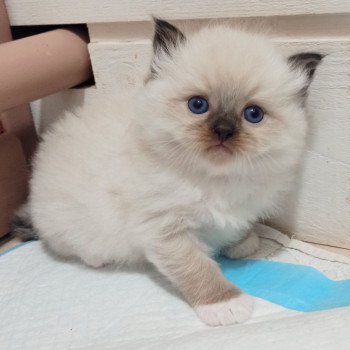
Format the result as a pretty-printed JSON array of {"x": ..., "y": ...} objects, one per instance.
[
  {"x": 198, "y": 105},
  {"x": 253, "y": 114}
]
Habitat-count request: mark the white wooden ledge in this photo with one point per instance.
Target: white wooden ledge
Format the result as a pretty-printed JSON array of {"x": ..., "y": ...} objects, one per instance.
[{"x": 33, "y": 12}]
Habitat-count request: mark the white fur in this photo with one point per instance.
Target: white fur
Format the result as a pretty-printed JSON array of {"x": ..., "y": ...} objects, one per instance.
[
  {"x": 246, "y": 247},
  {"x": 224, "y": 313},
  {"x": 108, "y": 181}
]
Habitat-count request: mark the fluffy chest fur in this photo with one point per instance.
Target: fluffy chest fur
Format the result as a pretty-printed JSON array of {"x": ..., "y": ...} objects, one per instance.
[{"x": 220, "y": 211}]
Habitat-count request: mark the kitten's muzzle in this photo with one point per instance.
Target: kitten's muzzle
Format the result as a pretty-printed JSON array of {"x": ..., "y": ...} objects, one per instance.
[{"x": 224, "y": 129}]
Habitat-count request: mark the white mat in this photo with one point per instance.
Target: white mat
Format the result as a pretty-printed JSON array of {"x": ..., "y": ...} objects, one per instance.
[{"x": 50, "y": 304}]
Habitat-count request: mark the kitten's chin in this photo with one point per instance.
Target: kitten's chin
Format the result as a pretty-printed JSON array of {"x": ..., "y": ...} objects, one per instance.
[
  {"x": 219, "y": 149},
  {"x": 219, "y": 154}
]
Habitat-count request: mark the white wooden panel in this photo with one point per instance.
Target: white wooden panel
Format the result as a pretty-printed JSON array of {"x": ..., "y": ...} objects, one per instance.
[
  {"x": 319, "y": 208},
  {"x": 329, "y": 123},
  {"x": 329, "y": 100},
  {"x": 120, "y": 65},
  {"x": 26, "y": 12},
  {"x": 334, "y": 71},
  {"x": 297, "y": 27}
]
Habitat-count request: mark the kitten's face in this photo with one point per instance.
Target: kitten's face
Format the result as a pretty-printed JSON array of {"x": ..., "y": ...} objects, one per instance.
[{"x": 223, "y": 101}]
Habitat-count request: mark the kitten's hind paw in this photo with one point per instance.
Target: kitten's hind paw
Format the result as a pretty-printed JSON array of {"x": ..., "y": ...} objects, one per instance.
[
  {"x": 246, "y": 247},
  {"x": 234, "y": 310}
]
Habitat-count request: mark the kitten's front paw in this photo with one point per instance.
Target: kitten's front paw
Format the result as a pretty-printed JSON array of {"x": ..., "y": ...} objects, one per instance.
[
  {"x": 244, "y": 248},
  {"x": 234, "y": 310}
]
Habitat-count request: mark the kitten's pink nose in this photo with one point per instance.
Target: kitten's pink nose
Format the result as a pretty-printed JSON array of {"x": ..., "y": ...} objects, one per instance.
[{"x": 224, "y": 130}]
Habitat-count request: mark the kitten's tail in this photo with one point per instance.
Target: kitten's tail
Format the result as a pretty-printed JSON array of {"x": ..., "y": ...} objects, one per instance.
[{"x": 21, "y": 225}]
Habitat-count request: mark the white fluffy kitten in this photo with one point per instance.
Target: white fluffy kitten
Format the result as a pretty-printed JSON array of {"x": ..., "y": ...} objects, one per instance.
[{"x": 181, "y": 169}]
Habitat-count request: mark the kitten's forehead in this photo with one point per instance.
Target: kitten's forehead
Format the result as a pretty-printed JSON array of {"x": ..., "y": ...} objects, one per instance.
[{"x": 231, "y": 62}]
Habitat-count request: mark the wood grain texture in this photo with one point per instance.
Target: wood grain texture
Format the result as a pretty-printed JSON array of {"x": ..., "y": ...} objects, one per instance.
[
  {"x": 329, "y": 97},
  {"x": 318, "y": 209},
  {"x": 30, "y": 12},
  {"x": 120, "y": 65}
]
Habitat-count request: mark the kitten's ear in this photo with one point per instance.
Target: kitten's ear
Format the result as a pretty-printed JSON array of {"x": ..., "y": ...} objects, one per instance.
[
  {"x": 307, "y": 63},
  {"x": 166, "y": 38}
]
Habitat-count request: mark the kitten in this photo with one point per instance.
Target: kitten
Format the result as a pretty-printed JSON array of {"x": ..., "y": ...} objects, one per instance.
[{"x": 180, "y": 170}]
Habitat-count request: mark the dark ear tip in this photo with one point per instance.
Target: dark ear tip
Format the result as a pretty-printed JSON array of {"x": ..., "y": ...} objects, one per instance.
[
  {"x": 308, "y": 61},
  {"x": 156, "y": 20},
  {"x": 308, "y": 56},
  {"x": 317, "y": 57},
  {"x": 160, "y": 22},
  {"x": 166, "y": 36}
]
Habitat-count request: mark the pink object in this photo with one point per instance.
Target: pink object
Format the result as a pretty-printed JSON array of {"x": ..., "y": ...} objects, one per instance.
[
  {"x": 17, "y": 133},
  {"x": 18, "y": 120},
  {"x": 30, "y": 68},
  {"x": 13, "y": 178},
  {"x": 42, "y": 64}
]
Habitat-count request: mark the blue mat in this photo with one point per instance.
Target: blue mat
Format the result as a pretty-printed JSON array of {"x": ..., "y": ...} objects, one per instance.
[{"x": 295, "y": 287}]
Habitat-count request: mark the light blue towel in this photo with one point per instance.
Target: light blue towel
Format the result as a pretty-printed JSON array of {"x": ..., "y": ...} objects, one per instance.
[{"x": 295, "y": 287}]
